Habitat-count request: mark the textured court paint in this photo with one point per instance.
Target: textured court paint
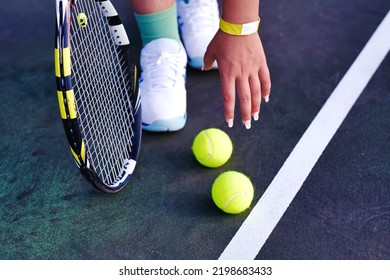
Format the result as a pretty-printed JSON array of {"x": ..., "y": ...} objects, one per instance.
[
  {"x": 256, "y": 229},
  {"x": 48, "y": 211}
]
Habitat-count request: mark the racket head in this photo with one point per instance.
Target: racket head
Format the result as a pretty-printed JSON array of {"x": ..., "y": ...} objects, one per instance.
[{"x": 97, "y": 91}]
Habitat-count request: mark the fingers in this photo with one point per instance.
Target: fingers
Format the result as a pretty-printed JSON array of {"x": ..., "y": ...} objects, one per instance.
[
  {"x": 208, "y": 60},
  {"x": 228, "y": 87},
  {"x": 244, "y": 96},
  {"x": 255, "y": 89},
  {"x": 244, "y": 72},
  {"x": 265, "y": 80},
  {"x": 249, "y": 97}
]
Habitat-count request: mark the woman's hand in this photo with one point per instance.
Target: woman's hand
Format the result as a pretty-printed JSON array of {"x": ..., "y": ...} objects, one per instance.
[{"x": 243, "y": 68}]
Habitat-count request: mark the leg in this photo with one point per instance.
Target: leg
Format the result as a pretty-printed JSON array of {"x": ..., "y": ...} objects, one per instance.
[
  {"x": 151, "y": 6},
  {"x": 156, "y": 19},
  {"x": 163, "y": 63}
]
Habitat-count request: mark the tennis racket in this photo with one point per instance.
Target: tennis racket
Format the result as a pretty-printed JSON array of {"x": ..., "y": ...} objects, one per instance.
[{"x": 97, "y": 91}]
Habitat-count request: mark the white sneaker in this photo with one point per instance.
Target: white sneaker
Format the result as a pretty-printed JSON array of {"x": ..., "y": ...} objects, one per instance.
[
  {"x": 162, "y": 85},
  {"x": 198, "y": 22}
]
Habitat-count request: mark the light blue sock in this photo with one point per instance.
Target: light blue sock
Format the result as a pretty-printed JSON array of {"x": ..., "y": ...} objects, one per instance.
[{"x": 158, "y": 25}]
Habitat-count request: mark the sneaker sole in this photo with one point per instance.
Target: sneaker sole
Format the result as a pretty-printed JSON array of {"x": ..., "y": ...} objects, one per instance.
[
  {"x": 197, "y": 63},
  {"x": 174, "y": 124}
]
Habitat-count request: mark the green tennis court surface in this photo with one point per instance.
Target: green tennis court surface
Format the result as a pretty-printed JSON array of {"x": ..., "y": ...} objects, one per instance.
[{"x": 341, "y": 211}]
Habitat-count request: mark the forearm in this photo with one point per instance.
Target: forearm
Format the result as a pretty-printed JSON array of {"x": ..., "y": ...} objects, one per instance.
[{"x": 237, "y": 11}]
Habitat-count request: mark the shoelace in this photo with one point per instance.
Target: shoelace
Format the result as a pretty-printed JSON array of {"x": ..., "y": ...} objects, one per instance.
[
  {"x": 163, "y": 69},
  {"x": 201, "y": 15}
]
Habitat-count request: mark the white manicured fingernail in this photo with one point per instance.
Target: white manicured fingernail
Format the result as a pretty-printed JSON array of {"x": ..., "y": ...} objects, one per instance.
[
  {"x": 247, "y": 124},
  {"x": 266, "y": 99},
  {"x": 230, "y": 123},
  {"x": 256, "y": 116}
]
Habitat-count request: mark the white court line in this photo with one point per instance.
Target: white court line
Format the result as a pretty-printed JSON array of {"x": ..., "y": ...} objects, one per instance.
[{"x": 257, "y": 227}]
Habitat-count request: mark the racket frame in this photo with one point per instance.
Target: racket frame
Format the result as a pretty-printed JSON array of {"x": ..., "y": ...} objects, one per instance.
[{"x": 67, "y": 101}]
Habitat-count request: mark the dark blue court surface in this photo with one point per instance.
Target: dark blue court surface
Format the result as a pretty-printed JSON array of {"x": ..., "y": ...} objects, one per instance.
[{"x": 342, "y": 210}]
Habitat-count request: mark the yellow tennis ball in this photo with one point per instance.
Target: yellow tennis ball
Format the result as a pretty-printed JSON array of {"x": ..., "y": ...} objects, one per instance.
[
  {"x": 212, "y": 147},
  {"x": 232, "y": 192}
]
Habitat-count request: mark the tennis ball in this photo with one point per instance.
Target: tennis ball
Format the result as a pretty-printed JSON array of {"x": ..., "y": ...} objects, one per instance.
[
  {"x": 212, "y": 147},
  {"x": 232, "y": 192}
]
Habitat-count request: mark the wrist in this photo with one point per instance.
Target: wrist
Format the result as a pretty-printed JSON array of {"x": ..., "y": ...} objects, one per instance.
[{"x": 239, "y": 29}]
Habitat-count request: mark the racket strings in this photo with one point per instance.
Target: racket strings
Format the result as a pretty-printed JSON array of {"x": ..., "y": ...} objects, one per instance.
[{"x": 102, "y": 91}]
